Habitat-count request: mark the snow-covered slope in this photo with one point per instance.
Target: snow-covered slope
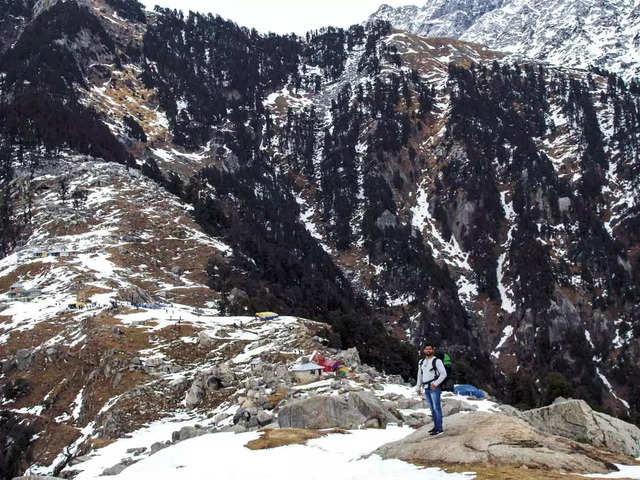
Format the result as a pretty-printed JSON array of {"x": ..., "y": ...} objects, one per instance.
[
  {"x": 438, "y": 18},
  {"x": 579, "y": 34},
  {"x": 338, "y": 455}
]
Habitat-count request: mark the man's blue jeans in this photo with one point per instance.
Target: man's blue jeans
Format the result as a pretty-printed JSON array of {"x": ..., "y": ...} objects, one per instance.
[{"x": 433, "y": 398}]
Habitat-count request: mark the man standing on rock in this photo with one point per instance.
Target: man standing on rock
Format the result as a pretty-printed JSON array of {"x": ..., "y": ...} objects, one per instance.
[{"x": 431, "y": 373}]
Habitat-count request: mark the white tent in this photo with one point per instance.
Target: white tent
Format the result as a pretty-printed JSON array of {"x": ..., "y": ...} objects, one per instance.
[{"x": 306, "y": 372}]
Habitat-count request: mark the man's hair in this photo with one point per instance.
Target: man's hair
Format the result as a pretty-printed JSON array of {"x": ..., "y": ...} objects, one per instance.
[{"x": 428, "y": 345}]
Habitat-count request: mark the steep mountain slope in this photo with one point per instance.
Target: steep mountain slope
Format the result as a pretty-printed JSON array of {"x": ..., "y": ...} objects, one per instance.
[
  {"x": 440, "y": 18},
  {"x": 578, "y": 34},
  {"x": 395, "y": 187}
]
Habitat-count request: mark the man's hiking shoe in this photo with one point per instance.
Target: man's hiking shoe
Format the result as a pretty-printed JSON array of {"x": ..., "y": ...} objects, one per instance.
[
  {"x": 433, "y": 430},
  {"x": 436, "y": 432}
]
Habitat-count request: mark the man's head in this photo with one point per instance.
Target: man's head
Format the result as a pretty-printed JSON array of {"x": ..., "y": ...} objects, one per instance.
[{"x": 429, "y": 350}]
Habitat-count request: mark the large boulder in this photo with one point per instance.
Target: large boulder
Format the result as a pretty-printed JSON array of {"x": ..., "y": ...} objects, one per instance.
[
  {"x": 453, "y": 405},
  {"x": 416, "y": 419},
  {"x": 411, "y": 402},
  {"x": 135, "y": 295},
  {"x": 575, "y": 419},
  {"x": 369, "y": 406},
  {"x": 23, "y": 359},
  {"x": 499, "y": 440},
  {"x": 187, "y": 432},
  {"x": 274, "y": 375},
  {"x": 223, "y": 375},
  {"x": 322, "y": 411},
  {"x": 194, "y": 395},
  {"x": 215, "y": 378},
  {"x": 350, "y": 357},
  {"x": 206, "y": 340}
]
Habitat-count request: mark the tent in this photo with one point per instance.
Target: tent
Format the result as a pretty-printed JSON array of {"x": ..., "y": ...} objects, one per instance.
[
  {"x": 266, "y": 315},
  {"x": 306, "y": 372},
  {"x": 327, "y": 364},
  {"x": 468, "y": 391}
]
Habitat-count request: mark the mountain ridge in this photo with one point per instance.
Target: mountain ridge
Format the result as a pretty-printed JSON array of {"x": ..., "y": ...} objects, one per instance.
[{"x": 561, "y": 32}]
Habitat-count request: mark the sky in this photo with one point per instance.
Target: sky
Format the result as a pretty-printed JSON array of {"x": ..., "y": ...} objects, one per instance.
[{"x": 284, "y": 16}]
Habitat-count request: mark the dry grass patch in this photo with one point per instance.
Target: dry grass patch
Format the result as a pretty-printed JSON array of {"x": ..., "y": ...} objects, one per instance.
[
  {"x": 273, "y": 438},
  {"x": 193, "y": 297},
  {"x": 100, "y": 442},
  {"x": 123, "y": 339},
  {"x": 52, "y": 438},
  {"x": 488, "y": 472},
  {"x": 40, "y": 333},
  {"x": 126, "y": 89},
  {"x": 42, "y": 381}
]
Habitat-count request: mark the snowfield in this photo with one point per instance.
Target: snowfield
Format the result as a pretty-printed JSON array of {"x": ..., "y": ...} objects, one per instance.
[{"x": 336, "y": 456}]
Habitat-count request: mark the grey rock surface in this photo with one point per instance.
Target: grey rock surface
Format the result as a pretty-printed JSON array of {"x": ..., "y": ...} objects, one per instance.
[
  {"x": 369, "y": 406},
  {"x": 157, "y": 446},
  {"x": 219, "y": 376},
  {"x": 452, "y": 405},
  {"x": 264, "y": 418},
  {"x": 186, "y": 432},
  {"x": 511, "y": 411},
  {"x": 135, "y": 295},
  {"x": 321, "y": 411},
  {"x": 23, "y": 359},
  {"x": 205, "y": 340},
  {"x": 350, "y": 357},
  {"x": 118, "y": 468},
  {"x": 495, "y": 439},
  {"x": 576, "y": 420}
]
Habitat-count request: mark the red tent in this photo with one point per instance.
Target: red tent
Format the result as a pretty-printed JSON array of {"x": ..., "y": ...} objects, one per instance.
[{"x": 327, "y": 364}]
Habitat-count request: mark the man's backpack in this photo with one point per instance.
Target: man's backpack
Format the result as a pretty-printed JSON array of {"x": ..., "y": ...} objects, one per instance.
[{"x": 448, "y": 383}]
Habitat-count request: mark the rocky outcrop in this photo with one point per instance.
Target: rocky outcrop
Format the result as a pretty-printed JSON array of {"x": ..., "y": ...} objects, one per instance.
[
  {"x": 349, "y": 357},
  {"x": 576, "y": 420},
  {"x": 118, "y": 468},
  {"x": 135, "y": 295},
  {"x": 325, "y": 411},
  {"x": 369, "y": 406},
  {"x": 321, "y": 411},
  {"x": 220, "y": 376},
  {"x": 205, "y": 340},
  {"x": 453, "y": 405},
  {"x": 21, "y": 361},
  {"x": 498, "y": 440},
  {"x": 187, "y": 432}
]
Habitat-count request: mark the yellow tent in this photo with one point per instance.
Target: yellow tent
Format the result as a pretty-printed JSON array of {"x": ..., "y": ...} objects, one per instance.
[{"x": 266, "y": 315}]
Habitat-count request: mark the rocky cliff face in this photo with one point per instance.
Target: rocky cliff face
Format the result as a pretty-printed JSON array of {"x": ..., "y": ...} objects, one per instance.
[
  {"x": 395, "y": 187},
  {"x": 579, "y": 34}
]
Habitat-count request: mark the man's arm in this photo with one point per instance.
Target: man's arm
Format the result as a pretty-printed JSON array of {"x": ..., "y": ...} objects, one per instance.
[
  {"x": 419, "y": 379},
  {"x": 442, "y": 372}
]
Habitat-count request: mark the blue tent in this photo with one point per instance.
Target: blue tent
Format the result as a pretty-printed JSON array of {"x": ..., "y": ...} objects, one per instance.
[{"x": 468, "y": 391}]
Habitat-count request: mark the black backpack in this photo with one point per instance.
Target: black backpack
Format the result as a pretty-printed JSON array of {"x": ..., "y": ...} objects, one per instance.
[{"x": 448, "y": 383}]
